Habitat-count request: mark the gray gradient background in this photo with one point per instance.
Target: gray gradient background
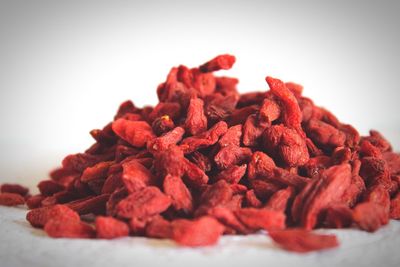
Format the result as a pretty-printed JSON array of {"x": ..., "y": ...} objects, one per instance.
[{"x": 65, "y": 66}]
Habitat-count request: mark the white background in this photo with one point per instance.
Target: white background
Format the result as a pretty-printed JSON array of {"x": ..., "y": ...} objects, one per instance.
[{"x": 65, "y": 66}]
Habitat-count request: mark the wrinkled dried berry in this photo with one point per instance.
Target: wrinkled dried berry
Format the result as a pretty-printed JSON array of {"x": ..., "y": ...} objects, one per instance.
[
  {"x": 14, "y": 188},
  {"x": 11, "y": 199},
  {"x": 303, "y": 241},
  {"x": 141, "y": 204},
  {"x": 39, "y": 217},
  {"x": 109, "y": 228},
  {"x": 204, "y": 231}
]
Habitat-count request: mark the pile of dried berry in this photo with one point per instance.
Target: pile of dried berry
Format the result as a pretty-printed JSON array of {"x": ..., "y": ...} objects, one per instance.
[{"x": 207, "y": 161}]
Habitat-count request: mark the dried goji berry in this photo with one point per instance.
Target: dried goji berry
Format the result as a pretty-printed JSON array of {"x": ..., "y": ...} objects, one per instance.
[
  {"x": 260, "y": 166},
  {"x": 11, "y": 199},
  {"x": 334, "y": 182},
  {"x": 196, "y": 120},
  {"x": 325, "y": 134},
  {"x": 136, "y": 133},
  {"x": 168, "y": 139},
  {"x": 109, "y": 228},
  {"x": 269, "y": 111},
  {"x": 92, "y": 204},
  {"x": 338, "y": 216},
  {"x": 159, "y": 228},
  {"x": 286, "y": 146},
  {"x": 135, "y": 176},
  {"x": 226, "y": 86},
  {"x": 370, "y": 216},
  {"x": 232, "y": 136},
  {"x": 252, "y": 200},
  {"x": 219, "y": 193},
  {"x": 201, "y": 160},
  {"x": 204, "y": 231},
  {"x": 39, "y": 217},
  {"x": 14, "y": 188},
  {"x": 232, "y": 155},
  {"x": 232, "y": 174},
  {"x": 98, "y": 171},
  {"x": 291, "y": 110},
  {"x": 252, "y": 131},
  {"x": 147, "y": 202},
  {"x": 302, "y": 241},
  {"x": 179, "y": 193},
  {"x": 205, "y": 139},
  {"x": 279, "y": 200},
  {"x": 49, "y": 187},
  {"x": 59, "y": 228},
  {"x": 395, "y": 207},
  {"x": 35, "y": 201},
  {"x": 257, "y": 219},
  {"x": 228, "y": 218}
]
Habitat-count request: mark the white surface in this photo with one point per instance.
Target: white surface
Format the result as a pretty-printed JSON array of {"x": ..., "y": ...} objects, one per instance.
[{"x": 22, "y": 245}]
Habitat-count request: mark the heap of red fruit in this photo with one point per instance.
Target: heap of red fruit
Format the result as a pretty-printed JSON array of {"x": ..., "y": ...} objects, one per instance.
[{"x": 207, "y": 161}]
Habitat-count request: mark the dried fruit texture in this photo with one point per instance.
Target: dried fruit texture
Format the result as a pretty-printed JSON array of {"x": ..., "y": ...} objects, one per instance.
[
  {"x": 92, "y": 204},
  {"x": 292, "y": 115},
  {"x": 35, "y": 201},
  {"x": 11, "y": 199},
  {"x": 329, "y": 189},
  {"x": 324, "y": 134},
  {"x": 206, "y": 139},
  {"x": 375, "y": 171},
  {"x": 204, "y": 231},
  {"x": 109, "y": 228},
  {"x": 158, "y": 227},
  {"x": 338, "y": 216},
  {"x": 260, "y": 166},
  {"x": 207, "y": 160},
  {"x": 179, "y": 193},
  {"x": 252, "y": 200},
  {"x": 287, "y": 146},
  {"x": 50, "y": 187},
  {"x": 269, "y": 111},
  {"x": 232, "y": 155},
  {"x": 222, "y": 62},
  {"x": 232, "y": 136},
  {"x": 279, "y": 200},
  {"x": 59, "y": 228},
  {"x": 395, "y": 207},
  {"x": 136, "y": 133},
  {"x": 228, "y": 219},
  {"x": 219, "y": 194},
  {"x": 219, "y": 107},
  {"x": 144, "y": 203},
  {"x": 303, "y": 241},
  {"x": 201, "y": 161},
  {"x": 252, "y": 131},
  {"x": 196, "y": 120},
  {"x": 232, "y": 174},
  {"x": 98, "y": 171},
  {"x": 39, "y": 217},
  {"x": 370, "y": 216},
  {"x": 165, "y": 141},
  {"x": 14, "y": 188},
  {"x": 162, "y": 124},
  {"x": 257, "y": 219},
  {"x": 135, "y": 176}
]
